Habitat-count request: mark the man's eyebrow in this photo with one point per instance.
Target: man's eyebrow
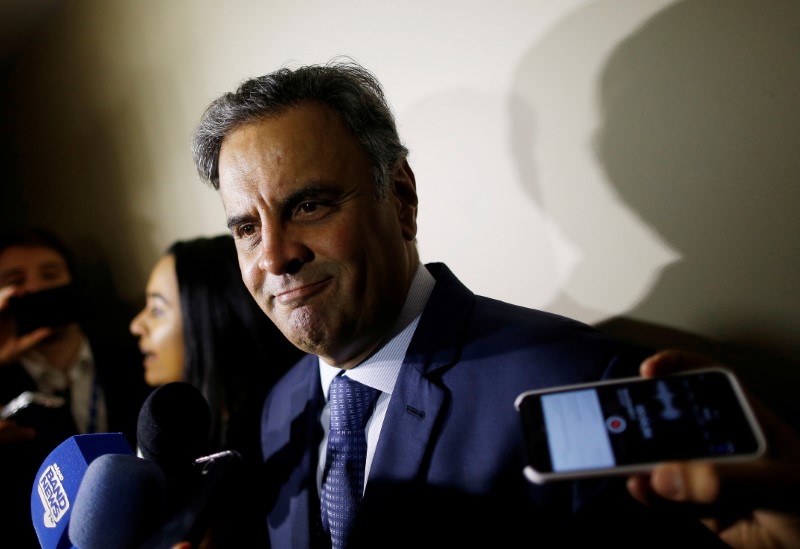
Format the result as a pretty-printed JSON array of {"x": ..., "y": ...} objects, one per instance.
[
  {"x": 236, "y": 220},
  {"x": 311, "y": 191},
  {"x": 308, "y": 192}
]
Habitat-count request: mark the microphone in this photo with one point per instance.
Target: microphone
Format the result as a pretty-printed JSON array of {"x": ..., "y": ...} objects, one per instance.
[
  {"x": 173, "y": 430},
  {"x": 58, "y": 480},
  {"x": 174, "y": 425},
  {"x": 126, "y": 504},
  {"x": 120, "y": 501},
  {"x": 217, "y": 475}
]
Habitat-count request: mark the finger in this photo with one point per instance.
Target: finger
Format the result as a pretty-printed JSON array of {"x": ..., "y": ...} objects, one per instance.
[
  {"x": 639, "y": 488},
  {"x": 670, "y": 361},
  {"x": 13, "y": 347},
  {"x": 30, "y": 340},
  {"x": 763, "y": 483},
  {"x": 664, "y": 487},
  {"x": 5, "y": 293},
  {"x": 686, "y": 483}
]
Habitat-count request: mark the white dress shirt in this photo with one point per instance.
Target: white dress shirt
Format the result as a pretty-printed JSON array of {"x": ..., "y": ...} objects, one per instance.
[
  {"x": 86, "y": 396},
  {"x": 380, "y": 370}
]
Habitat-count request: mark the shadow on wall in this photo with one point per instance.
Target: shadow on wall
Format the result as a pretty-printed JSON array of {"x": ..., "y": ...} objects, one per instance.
[
  {"x": 75, "y": 136},
  {"x": 700, "y": 137}
]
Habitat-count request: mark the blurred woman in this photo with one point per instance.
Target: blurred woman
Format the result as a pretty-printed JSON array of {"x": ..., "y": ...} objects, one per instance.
[{"x": 200, "y": 325}]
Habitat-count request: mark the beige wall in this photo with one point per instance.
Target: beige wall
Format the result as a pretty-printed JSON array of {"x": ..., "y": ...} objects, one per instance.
[{"x": 607, "y": 158}]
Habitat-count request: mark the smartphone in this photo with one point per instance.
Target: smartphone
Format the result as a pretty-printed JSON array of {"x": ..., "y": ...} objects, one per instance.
[
  {"x": 52, "y": 307},
  {"x": 625, "y": 426},
  {"x": 31, "y": 408}
]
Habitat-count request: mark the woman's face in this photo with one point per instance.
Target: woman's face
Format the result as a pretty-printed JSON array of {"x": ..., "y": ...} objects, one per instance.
[{"x": 159, "y": 326}]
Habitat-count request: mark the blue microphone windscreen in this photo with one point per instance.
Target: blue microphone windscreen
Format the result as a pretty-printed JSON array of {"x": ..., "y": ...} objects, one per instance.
[
  {"x": 58, "y": 480},
  {"x": 119, "y": 503}
]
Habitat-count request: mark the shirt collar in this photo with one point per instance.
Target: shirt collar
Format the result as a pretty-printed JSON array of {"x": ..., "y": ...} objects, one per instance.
[
  {"x": 381, "y": 369},
  {"x": 49, "y": 379}
]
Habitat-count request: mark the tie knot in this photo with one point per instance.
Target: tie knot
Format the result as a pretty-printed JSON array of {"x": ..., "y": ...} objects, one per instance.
[{"x": 351, "y": 403}]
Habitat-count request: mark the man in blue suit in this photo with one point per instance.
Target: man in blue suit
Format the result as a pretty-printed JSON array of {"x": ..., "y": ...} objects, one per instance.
[{"x": 322, "y": 203}]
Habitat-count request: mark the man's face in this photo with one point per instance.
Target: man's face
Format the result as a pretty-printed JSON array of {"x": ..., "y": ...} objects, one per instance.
[
  {"x": 329, "y": 264},
  {"x": 33, "y": 268}
]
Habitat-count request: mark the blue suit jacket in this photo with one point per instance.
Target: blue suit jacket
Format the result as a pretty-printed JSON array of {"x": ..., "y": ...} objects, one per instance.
[{"x": 448, "y": 466}]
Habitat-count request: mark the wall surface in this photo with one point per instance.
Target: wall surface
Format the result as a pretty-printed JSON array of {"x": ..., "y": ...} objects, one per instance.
[{"x": 625, "y": 162}]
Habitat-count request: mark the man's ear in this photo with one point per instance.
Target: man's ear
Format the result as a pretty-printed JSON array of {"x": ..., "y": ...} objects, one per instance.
[{"x": 405, "y": 189}]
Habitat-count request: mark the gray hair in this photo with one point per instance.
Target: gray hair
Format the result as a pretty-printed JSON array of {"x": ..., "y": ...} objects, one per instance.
[{"x": 343, "y": 85}]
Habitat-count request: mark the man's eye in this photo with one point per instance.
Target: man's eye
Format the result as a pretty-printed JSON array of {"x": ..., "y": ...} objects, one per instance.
[
  {"x": 307, "y": 207},
  {"x": 53, "y": 273},
  {"x": 247, "y": 230}
]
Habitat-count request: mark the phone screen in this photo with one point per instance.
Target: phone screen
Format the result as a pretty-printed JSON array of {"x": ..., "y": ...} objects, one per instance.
[{"x": 628, "y": 425}]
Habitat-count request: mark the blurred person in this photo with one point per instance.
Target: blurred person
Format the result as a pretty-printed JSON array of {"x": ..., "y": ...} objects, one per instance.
[
  {"x": 82, "y": 357},
  {"x": 200, "y": 325}
]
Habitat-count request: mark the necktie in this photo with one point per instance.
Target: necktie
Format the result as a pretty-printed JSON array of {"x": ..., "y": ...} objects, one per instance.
[{"x": 343, "y": 483}]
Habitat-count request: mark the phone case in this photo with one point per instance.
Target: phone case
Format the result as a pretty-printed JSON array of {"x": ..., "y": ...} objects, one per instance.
[{"x": 532, "y": 435}]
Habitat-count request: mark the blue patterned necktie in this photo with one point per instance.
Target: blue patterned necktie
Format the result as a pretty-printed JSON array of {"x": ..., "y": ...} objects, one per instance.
[{"x": 343, "y": 482}]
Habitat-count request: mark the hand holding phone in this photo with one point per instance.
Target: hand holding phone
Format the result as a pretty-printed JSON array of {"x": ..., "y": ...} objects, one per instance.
[
  {"x": 749, "y": 504},
  {"x": 626, "y": 426},
  {"x": 52, "y": 307},
  {"x": 22, "y": 326}
]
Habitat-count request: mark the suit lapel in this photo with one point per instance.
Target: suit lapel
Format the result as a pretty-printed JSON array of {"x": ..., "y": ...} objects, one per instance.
[
  {"x": 290, "y": 441},
  {"x": 418, "y": 400}
]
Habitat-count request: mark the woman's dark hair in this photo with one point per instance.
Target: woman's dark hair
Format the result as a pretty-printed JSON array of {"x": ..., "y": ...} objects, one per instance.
[{"x": 233, "y": 351}]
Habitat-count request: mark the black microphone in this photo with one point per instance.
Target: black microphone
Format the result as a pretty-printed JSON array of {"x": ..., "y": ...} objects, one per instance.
[
  {"x": 173, "y": 430},
  {"x": 173, "y": 426},
  {"x": 121, "y": 501},
  {"x": 217, "y": 476},
  {"x": 58, "y": 481}
]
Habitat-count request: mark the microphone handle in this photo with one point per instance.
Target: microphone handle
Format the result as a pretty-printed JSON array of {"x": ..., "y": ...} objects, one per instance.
[{"x": 191, "y": 523}]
